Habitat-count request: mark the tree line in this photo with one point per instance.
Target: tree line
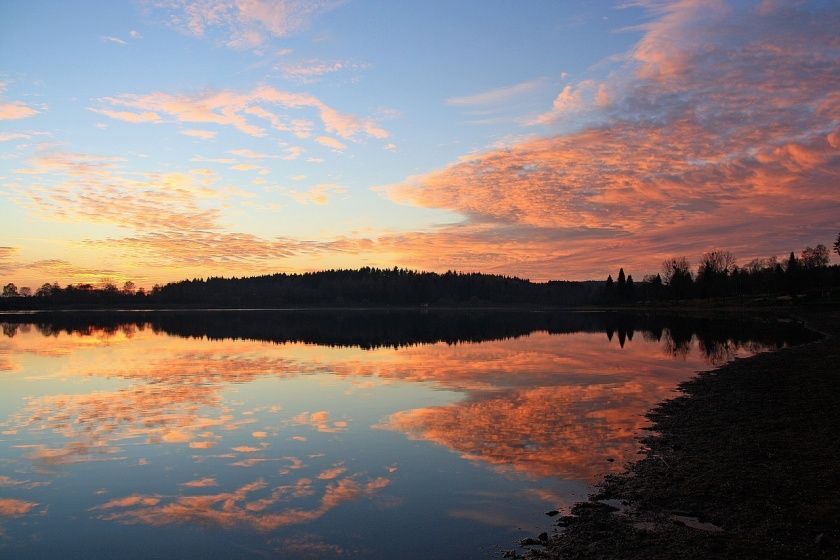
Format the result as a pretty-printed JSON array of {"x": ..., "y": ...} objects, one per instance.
[
  {"x": 330, "y": 288},
  {"x": 716, "y": 275}
]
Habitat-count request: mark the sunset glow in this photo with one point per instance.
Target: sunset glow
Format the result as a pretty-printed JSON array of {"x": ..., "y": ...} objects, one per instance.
[{"x": 158, "y": 140}]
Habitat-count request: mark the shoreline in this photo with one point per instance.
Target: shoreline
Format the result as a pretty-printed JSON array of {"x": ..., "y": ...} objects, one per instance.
[
  {"x": 691, "y": 307},
  {"x": 743, "y": 464}
]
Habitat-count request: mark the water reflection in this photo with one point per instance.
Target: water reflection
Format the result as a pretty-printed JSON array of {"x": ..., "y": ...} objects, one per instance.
[{"x": 261, "y": 422}]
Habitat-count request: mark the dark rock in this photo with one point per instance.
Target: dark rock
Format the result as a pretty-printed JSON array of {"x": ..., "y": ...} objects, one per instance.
[
  {"x": 543, "y": 537},
  {"x": 552, "y": 513},
  {"x": 531, "y": 542}
]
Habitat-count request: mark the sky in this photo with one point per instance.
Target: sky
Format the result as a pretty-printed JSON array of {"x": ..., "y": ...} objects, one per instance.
[{"x": 157, "y": 140}]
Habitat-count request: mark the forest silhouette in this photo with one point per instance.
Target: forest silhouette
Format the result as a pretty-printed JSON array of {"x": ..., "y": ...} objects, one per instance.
[{"x": 717, "y": 275}]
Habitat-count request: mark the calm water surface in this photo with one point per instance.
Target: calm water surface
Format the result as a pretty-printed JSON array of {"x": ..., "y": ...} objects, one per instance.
[{"x": 321, "y": 435}]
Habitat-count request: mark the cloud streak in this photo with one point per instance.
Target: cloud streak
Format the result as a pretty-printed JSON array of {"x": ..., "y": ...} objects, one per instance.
[
  {"x": 239, "y": 111},
  {"x": 496, "y": 96}
]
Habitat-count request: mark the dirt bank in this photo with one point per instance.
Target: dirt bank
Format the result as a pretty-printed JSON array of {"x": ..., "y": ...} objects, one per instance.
[{"x": 745, "y": 464}]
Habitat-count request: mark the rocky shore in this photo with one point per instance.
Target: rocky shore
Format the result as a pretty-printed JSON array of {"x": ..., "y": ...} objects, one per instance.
[{"x": 744, "y": 464}]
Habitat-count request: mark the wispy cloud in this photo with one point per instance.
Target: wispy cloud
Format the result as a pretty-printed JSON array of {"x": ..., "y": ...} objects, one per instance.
[
  {"x": 27, "y": 135},
  {"x": 251, "y": 154},
  {"x": 312, "y": 70},
  {"x": 233, "y": 109},
  {"x": 319, "y": 194},
  {"x": 13, "y": 110},
  {"x": 201, "y": 134},
  {"x": 71, "y": 186},
  {"x": 114, "y": 40},
  {"x": 498, "y": 95},
  {"x": 244, "y": 23},
  {"x": 128, "y": 116},
  {"x": 330, "y": 142}
]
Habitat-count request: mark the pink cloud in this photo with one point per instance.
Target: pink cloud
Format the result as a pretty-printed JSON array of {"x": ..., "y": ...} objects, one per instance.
[
  {"x": 129, "y": 116},
  {"x": 229, "y": 108},
  {"x": 714, "y": 134},
  {"x": 15, "y": 110},
  {"x": 330, "y": 142},
  {"x": 200, "y": 134}
]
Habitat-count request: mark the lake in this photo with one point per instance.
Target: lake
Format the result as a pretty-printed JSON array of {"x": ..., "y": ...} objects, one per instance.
[{"x": 321, "y": 434}]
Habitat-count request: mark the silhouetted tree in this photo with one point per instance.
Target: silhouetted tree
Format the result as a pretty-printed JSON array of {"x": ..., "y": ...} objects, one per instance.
[
  {"x": 716, "y": 263},
  {"x": 677, "y": 276},
  {"x": 609, "y": 289},
  {"x": 713, "y": 271},
  {"x": 45, "y": 290},
  {"x": 814, "y": 257},
  {"x": 25, "y": 291},
  {"x": 630, "y": 288},
  {"x": 837, "y": 245},
  {"x": 792, "y": 273},
  {"x": 10, "y": 290}
]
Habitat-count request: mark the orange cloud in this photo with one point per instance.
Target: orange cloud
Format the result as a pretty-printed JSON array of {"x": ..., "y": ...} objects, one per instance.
[
  {"x": 332, "y": 473},
  {"x": 199, "y": 483},
  {"x": 15, "y": 110},
  {"x": 711, "y": 133},
  {"x": 319, "y": 421},
  {"x": 90, "y": 188},
  {"x": 128, "y": 116},
  {"x": 10, "y": 507},
  {"x": 230, "y": 108},
  {"x": 235, "y": 508},
  {"x": 330, "y": 142},
  {"x": 131, "y": 501},
  {"x": 203, "y": 248}
]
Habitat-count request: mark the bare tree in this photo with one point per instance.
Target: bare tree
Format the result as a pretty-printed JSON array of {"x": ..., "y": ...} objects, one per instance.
[
  {"x": 815, "y": 257},
  {"x": 26, "y": 291},
  {"x": 716, "y": 263},
  {"x": 10, "y": 290},
  {"x": 675, "y": 268}
]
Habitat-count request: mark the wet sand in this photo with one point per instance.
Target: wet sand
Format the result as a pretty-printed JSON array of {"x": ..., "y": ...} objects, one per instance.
[{"x": 744, "y": 464}]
